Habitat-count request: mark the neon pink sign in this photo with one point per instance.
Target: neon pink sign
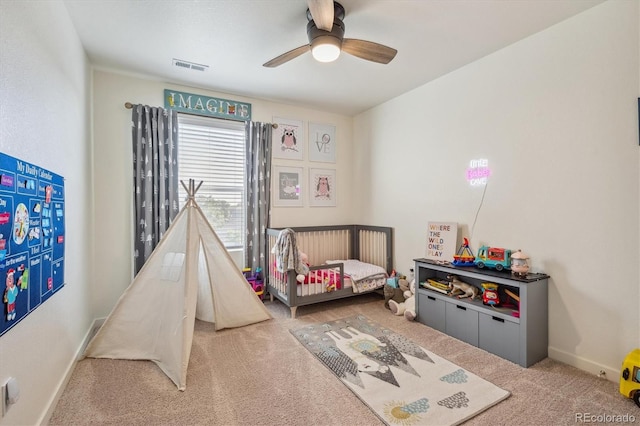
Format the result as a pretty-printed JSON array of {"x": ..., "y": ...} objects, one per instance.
[{"x": 478, "y": 172}]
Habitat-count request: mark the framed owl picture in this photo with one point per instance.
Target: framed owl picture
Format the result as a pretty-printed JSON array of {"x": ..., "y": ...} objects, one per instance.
[
  {"x": 322, "y": 188},
  {"x": 288, "y": 139}
]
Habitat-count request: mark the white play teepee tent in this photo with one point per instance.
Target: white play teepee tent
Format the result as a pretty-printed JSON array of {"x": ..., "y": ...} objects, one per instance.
[{"x": 189, "y": 274}]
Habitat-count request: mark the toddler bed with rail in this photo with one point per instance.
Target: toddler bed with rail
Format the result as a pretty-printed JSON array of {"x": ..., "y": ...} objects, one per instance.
[{"x": 343, "y": 261}]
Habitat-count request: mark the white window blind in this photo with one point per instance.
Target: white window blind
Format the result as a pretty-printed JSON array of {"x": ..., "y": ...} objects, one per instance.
[{"x": 213, "y": 151}]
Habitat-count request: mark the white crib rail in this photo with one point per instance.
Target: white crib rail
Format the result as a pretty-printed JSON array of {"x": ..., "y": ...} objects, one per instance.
[{"x": 373, "y": 247}]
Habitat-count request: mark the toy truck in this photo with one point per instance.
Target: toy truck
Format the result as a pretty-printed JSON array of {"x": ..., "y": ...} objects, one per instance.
[
  {"x": 493, "y": 257},
  {"x": 630, "y": 376}
]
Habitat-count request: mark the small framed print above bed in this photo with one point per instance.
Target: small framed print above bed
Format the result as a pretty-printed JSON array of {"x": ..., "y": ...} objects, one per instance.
[
  {"x": 287, "y": 186},
  {"x": 322, "y": 143},
  {"x": 288, "y": 139},
  {"x": 322, "y": 188}
]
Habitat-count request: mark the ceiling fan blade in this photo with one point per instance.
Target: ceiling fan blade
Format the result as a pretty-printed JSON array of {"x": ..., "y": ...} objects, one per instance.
[
  {"x": 286, "y": 57},
  {"x": 322, "y": 13},
  {"x": 368, "y": 50}
]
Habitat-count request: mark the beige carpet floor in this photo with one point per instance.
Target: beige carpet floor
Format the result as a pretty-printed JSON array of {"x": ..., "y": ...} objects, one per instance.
[{"x": 260, "y": 375}]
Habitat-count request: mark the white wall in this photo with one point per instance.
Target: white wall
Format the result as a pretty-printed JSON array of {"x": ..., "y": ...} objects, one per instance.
[
  {"x": 556, "y": 116},
  {"x": 44, "y": 119},
  {"x": 113, "y": 181}
]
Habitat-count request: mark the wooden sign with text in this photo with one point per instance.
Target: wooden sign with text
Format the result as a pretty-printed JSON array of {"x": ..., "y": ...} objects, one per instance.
[
  {"x": 206, "y": 105},
  {"x": 441, "y": 241}
]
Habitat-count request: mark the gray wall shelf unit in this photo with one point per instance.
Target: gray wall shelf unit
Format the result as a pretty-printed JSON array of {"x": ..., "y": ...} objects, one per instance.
[{"x": 521, "y": 339}]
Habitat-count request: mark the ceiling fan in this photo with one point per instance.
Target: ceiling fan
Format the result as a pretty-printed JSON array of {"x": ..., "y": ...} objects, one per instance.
[{"x": 326, "y": 38}]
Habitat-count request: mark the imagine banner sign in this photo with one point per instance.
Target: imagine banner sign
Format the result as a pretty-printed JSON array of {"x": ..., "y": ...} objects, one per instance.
[{"x": 206, "y": 105}]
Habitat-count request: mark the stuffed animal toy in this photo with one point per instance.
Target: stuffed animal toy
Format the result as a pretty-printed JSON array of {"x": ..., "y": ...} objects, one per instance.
[
  {"x": 395, "y": 293},
  {"x": 302, "y": 267},
  {"x": 461, "y": 289},
  {"x": 403, "y": 284},
  {"x": 408, "y": 307},
  {"x": 410, "y": 303},
  {"x": 392, "y": 294}
]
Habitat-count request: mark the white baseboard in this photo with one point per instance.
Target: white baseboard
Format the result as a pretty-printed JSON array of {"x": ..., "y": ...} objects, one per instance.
[
  {"x": 611, "y": 374},
  {"x": 97, "y": 323},
  {"x": 44, "y": 420}
]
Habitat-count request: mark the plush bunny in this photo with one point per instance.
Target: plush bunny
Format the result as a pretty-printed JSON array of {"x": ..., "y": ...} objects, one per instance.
[{"x": 303, "y": 266}]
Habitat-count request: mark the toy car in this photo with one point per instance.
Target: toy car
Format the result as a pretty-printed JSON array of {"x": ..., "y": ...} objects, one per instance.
[
  {"x": 493, "y": 257},
  {"x": 630, "y": 377}
]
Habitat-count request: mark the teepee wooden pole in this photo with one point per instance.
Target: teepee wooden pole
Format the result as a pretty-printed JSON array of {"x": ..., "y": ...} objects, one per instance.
[
  {"x": 191, "y": 189},
  {"x": 199, "y": 185},
  {"x": 184, "y": 186}
]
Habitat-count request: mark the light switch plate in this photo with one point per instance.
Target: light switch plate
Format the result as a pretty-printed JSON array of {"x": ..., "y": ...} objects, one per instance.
[
  {"x": 9, "y": 389},
  {"x": 13, "y": 391},
  {"x": 5, "y": 407}
]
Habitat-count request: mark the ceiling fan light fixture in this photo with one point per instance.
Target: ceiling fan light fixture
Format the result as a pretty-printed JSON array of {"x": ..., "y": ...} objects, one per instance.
[
  {"x": 325, "y": 31},
  {"x": 325, "y": 49}
]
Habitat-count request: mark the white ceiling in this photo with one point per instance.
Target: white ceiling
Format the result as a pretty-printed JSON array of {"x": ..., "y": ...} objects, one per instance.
[{"x": 235, "y": 37}]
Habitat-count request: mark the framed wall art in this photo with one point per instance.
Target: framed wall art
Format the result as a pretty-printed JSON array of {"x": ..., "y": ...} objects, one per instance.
[
  {"x": 287, "y": 186},
  {"x": 322, "y": 187},
  {"x": 441, "y": 241},
  {"x": 322, "y": 143},
  {"x": 288, "y": 139}
]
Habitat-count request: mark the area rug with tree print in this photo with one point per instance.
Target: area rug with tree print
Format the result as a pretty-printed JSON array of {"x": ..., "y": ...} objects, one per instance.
[{"x": 403, "y": 383}]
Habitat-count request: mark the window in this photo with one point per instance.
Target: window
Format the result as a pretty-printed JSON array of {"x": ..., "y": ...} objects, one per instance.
[{"x": 213, "y": 151}]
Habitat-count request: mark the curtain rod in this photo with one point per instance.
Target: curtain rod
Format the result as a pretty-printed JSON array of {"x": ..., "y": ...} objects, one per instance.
[{"x": 129, "y": 105}]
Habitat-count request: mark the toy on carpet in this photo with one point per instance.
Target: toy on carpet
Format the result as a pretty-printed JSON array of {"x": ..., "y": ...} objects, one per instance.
[
  {"x": 408, "y": 306},
  {"x": 630, "y": 377},
  {"x": 255, "y": 280},
  {"x": 461, "y": 289},
  {"x": 395, "y": 293},
  {"x": 393, "y": 279}
]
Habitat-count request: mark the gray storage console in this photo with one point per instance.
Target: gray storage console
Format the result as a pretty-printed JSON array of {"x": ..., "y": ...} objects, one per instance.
[{"x": 522, "y": 339}]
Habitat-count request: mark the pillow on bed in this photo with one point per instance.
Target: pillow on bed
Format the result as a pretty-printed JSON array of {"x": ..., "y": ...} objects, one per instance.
[{"x": 358, "y": 270}]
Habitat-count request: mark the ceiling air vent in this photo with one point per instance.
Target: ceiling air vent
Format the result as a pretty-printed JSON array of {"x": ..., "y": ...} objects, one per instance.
[{"x": 189, "y": 65}]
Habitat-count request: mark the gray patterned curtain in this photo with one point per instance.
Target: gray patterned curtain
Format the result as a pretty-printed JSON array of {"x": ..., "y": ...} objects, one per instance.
[
  {"x": 155, "y": 176},
  {"x": 258, "y": 169}
]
